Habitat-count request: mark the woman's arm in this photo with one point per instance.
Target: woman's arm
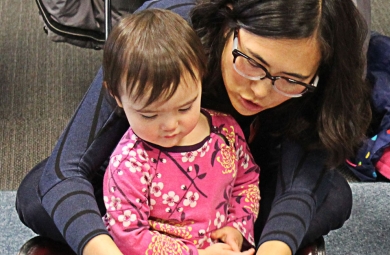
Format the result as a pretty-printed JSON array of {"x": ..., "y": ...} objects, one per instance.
[
  {"x": 66, "y": 191},
  {"x": 303, "y": 182},
  {"x": 101, "y": 245},
  {"x": 65, "y": 187},
  {"x": 274, "y": 248}
]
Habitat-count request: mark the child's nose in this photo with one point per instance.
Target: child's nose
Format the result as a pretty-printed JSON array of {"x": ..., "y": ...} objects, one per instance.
[{"x": 169, "y": 125}]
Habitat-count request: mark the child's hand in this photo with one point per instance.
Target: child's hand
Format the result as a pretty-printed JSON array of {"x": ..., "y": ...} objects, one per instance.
[
  {"x": 224, "y": 249},
  {"x": 229, "y": 236}
]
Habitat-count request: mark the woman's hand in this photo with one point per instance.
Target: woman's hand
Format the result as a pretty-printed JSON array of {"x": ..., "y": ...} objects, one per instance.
[
  {"x": 274, "y": 248},
  {"x": 224, "y": 249},
  {"x": 101, "y": 245},
  {"x": 229, "y": 236}
]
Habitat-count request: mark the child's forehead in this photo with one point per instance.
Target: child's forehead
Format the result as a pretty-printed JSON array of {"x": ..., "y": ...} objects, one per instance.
[
  {"x": 183, "y": 96},
  {"x": 140, "y": 94}
]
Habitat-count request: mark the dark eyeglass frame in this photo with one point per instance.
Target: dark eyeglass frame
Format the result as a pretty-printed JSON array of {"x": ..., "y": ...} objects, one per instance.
[{"x": 236, "y": 53}]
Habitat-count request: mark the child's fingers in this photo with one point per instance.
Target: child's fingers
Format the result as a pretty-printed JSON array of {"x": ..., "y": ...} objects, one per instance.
[
  {"x": 233, "y": 244},
  {"x": 251, "y": 251},
  {"x": 219, "y": 234}
]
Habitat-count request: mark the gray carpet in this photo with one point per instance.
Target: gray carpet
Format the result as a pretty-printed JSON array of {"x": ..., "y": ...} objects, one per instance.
[
  {"x": 365, "y": 233},
  {"x": 13, "y": 232},
  {"x": 41, "y": 85}
]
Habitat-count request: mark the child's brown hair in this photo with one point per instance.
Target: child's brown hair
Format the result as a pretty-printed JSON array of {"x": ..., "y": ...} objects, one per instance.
[{"x": 148, "y": 53}]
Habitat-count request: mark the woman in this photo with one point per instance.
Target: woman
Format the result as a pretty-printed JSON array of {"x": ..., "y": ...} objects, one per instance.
[{"x": 293, "y": 68}]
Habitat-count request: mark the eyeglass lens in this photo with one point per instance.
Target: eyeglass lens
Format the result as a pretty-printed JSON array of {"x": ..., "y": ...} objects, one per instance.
[{"x": 251, "y": 70}]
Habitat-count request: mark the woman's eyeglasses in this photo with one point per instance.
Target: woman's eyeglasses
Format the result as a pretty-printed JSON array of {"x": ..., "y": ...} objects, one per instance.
[{"x": 252, "y": 70}]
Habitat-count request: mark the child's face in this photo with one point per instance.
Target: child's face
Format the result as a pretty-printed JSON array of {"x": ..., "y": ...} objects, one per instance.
[{"x": 166, "y": 122}]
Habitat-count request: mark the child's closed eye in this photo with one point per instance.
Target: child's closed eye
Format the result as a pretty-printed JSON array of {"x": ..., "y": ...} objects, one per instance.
[
  {"x": 185, "y": 109},
  {"x": 149, "y": 117}
]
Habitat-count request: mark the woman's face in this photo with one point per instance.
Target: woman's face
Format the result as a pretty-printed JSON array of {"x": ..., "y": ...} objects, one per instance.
[{"x": 297, "y": 59}]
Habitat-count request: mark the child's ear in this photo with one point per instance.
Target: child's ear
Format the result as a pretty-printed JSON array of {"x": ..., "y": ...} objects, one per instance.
[{"x": 118, "y": 101}]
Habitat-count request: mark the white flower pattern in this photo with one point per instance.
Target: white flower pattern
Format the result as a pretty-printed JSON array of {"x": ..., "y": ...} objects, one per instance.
[
  {"x": 146, "y": 178},
  {"x": 191, "y": 199},
  {"x": 239, "y": 152},
  {"x": 189, "y": 156},
  {"x": 143, "y": 155},
  {"x": 171, "y": 198},
  {"x": 156, "y": 188},
  {"x": 133, "y": 165},
  {"x": 245, "y": 162},
  {"x": 204, "y": 149},
  {"x": 109, "y": 219},
  {"x": 219, "y": 219},
  {"x": 126, "y": 218},
  {"x": 127, "y": 148},
  {"x": 152, "y": 203},
  {"x": 239, "y": 226},
  {"x": 115, "y": 203},
  {"x": 116, "y": 160}
]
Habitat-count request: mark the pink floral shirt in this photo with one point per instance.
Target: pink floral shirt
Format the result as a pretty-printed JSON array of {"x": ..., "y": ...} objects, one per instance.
[{"x": 169, "y": 200}]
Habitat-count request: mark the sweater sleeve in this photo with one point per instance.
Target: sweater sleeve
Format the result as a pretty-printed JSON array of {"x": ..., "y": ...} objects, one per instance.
[
  {"x": 181, "y": 7},
  {"x": 302, "y": 185},
  {"x": 245, "y": 197},
  {"x": 65, "y": 187},
  {"x": 126, "y": 196}
]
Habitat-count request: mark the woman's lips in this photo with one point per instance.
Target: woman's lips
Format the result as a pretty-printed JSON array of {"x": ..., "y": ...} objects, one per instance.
[{"x": 249, "y": 105}]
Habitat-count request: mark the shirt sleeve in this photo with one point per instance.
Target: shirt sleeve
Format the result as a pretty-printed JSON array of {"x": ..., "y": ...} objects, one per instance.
[
  {"x": 245, "y": 198},
  {"x": 302, "y": 185},
  {"x": 126, "y": 189},
  {"x": 181, "y": 7},
  {"x": 65, "y": 187}
]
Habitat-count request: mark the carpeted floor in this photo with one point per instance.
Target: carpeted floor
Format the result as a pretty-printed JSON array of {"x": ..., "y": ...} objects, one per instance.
[
  {"x": 368, "y": 229},
  {"x": 41, "y": 85}
]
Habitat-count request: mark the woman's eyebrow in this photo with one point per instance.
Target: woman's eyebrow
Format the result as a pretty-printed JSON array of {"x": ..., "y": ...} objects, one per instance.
[
  {"x": 259, "y": 58},
  {"x": 296, "y": 75}
]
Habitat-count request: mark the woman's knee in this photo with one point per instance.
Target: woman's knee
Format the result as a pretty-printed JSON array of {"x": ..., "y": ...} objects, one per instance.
[
  {"x": 333, "y": 212},
  {"x": 339, "y": 200},
  {"x": 29, "y": 208},
  {"x": 27, "y": 200}
]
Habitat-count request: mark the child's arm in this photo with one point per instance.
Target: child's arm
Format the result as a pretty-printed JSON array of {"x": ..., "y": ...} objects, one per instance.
[{"x": 224, "y": 249}]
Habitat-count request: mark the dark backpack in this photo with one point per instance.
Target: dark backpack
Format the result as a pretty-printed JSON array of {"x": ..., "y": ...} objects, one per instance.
[{"x": 82, "y": 23}]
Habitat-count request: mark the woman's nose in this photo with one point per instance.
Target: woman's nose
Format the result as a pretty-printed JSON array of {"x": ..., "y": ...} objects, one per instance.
[{"x": 261, "y": 88}]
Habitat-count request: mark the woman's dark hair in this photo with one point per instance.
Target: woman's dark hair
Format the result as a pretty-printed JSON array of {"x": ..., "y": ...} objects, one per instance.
[
  {"x": 335, "y": 116},
  {"x": 148, "y": 53}
]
